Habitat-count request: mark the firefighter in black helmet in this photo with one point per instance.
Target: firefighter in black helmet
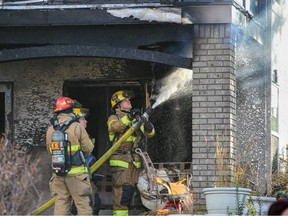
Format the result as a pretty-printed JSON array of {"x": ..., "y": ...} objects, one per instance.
[
  {"x": 95, "y": 200},
  {"x": 125, "y": 163}
]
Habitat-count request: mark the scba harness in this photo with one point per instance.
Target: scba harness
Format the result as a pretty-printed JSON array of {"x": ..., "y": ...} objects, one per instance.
[{"x": 61, "y": 159}]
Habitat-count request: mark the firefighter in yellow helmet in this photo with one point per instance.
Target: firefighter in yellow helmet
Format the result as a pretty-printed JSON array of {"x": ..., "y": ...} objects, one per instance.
[
  {"x": 73, "y": 184},
  {"x": 125, "y": 163}
]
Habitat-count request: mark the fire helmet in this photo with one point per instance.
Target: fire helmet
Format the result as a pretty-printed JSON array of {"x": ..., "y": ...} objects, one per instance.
[
  {"x": 119, "y": 96},
  {"x": 80, "y": 112},
  {"x": 63, "y": 103}
]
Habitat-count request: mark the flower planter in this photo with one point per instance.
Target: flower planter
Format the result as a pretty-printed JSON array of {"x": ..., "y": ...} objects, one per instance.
[
  {"x": 262, "y": 204},
  {"x": 224, "y": 200}
]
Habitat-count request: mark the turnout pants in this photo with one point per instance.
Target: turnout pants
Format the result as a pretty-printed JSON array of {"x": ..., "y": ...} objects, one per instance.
[
  {"x": 68, "y": 188},
  {"x": 124, "y": 180}
]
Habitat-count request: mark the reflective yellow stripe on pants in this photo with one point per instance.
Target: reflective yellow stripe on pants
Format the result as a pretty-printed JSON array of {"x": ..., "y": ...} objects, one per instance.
[
  {"x": 119, "y": 163},
  {"x": 120, "y": 212},
  {"x": 124, "y": 164}
]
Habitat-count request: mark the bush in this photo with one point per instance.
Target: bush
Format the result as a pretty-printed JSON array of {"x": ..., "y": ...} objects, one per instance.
[{"x": 18, "y": 194}]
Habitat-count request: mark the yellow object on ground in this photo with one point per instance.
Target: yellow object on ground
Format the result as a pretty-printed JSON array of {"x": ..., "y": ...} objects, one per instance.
[{"x": 178, "y": 187}]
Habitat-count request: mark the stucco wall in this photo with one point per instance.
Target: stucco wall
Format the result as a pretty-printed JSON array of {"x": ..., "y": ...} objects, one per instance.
[{"x": 38, "y": 83}]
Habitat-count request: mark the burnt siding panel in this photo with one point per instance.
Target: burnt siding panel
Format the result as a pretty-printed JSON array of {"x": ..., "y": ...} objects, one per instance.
[
  {"x": 22, "y": 17},
  {"x": 89, "y": 51},
  {"x": 118, "y": 36},
  {"x": 133, "y": 43},
  {"x": 61, "y": 17}
]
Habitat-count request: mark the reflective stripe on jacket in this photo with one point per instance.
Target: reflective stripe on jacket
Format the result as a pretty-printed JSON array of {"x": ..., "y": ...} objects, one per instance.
[
  {"x": 78, "y": 169},
  {"x": 118, "y": 124}
]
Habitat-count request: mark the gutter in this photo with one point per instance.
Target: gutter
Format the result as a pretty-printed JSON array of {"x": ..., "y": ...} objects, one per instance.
[
  {"x": 8, "y": 6},
  {"x": 23, "y": 2},
  {"x": 243, "y": 10}
]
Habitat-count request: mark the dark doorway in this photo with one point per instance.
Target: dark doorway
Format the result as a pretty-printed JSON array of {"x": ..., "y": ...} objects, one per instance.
[
  {"x": 2, "y": 112},
  {"x": 6, "y": 109},
  {"x": 172, "y": 120},
  {"x": 96, "y": 97}
]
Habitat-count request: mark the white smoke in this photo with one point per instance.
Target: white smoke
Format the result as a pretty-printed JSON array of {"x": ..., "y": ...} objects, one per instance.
[{"x": 178, "y": 83}]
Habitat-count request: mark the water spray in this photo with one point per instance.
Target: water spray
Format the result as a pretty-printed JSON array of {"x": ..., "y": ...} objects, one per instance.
[{"x": 178, "y": 83}]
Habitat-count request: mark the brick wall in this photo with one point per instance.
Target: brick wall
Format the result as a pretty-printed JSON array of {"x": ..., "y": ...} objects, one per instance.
[{"x": 213, "y": 109}]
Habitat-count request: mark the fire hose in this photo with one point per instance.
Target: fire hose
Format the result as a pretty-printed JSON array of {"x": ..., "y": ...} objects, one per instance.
[{"x": 106, "y": 156}]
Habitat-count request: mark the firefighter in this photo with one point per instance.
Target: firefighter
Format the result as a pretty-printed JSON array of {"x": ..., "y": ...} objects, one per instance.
[
  {"x": 81, "y": 114},
  {"x": 75, "y": 185},
  {"x": 125, "y": 163}
]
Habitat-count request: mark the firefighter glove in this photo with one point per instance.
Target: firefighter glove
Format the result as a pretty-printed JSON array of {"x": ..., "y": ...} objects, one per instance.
[
  {"x": 148, "y": 127},
  {"x": 134, "y": 112}
]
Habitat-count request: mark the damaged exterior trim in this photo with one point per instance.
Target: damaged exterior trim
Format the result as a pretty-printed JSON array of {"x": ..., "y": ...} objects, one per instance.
[
  {"x": 94, "y": 51},
  {"x": 172, "y": 15}
]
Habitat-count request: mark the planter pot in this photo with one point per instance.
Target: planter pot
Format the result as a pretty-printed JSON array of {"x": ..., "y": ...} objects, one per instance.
[
  {"x": 262, "y": 204},
  {"x": 225, "y": 200}
]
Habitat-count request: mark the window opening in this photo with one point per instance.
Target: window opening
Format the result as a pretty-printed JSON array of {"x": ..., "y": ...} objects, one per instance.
[{"x": 275, "y": 108}]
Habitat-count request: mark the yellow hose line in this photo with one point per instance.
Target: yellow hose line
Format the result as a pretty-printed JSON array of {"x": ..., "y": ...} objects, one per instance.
[
  {"x": 45, "y": 206},
  {"x": 93, "y": 168},
  {"x": 108, "y": 154}
]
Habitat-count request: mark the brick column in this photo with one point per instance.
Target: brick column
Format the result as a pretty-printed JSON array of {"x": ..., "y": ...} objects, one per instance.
[{"x": 214, "y": 103}]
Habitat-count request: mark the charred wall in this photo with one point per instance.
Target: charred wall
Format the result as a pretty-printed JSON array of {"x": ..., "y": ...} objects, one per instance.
[
  {"x": 38, "y": 83},
  {"x": 92, "y": 81}
]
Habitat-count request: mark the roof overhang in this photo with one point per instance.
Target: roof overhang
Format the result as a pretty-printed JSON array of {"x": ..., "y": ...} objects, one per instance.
[{"x": 94, "y": 51}]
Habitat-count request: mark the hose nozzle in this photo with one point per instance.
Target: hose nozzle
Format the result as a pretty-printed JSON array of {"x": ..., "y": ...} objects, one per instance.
[{"x": 146, "y": 114}]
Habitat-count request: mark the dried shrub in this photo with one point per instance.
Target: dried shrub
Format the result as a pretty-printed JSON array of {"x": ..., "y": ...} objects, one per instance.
[
  {"x": 279, "y": 181},
  {"x": 237, "y": 174},
  {"x": 18, "y": 194},
  {"x": 223, "y": 167},
  {"x": 221, "y": 157}
]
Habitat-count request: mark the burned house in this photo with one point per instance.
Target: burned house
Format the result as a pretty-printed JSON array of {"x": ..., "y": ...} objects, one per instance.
[{"x": 87, "y": 51}]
